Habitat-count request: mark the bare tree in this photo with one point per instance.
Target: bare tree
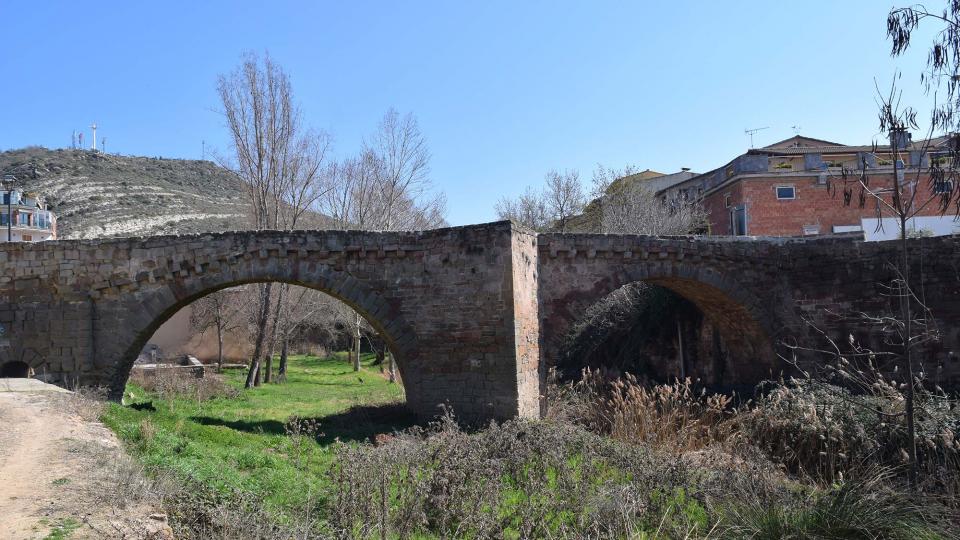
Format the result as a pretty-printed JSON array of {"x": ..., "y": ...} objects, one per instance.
[
  {"x": 529, "y": 210},
  {"x": 276, "y": 158},
  {"x": 561, "y": 199},
  {"x": 387, "y": 187},
  {"x": 220, "y": 311},
  {"x": 305, "y": 307},
  {"x": 565, "y": 197},
  {"x": 619, "y": 206},
  {"x": 636, "y": 209}
]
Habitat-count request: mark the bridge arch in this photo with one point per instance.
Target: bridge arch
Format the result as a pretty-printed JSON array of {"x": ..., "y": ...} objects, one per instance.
[
  {"x": 579, "y": 273},
  {"x": 14, "y": 369},
  {"x": 160, "y": 304},
  {"x": 740, "y": 321}
]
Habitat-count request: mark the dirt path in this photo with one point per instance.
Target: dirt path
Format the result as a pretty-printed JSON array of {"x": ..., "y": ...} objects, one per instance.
[{"x": 59, "y": 468}]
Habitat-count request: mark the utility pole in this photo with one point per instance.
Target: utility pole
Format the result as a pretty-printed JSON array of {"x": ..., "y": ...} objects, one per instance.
[
  {"x": 103, "y": 144},
  {"x": 203, "y": 150},
  {"x": 8, "y": 181}
]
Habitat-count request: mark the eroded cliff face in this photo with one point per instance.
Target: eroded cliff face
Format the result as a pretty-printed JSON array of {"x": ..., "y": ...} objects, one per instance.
[{"x": 105, "y": 195}]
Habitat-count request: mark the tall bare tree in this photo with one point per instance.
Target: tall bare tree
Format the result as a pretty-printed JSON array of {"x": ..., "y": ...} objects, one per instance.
[
  {"x": 276, "y": 158},
  {"x": 387, "y": 187}
]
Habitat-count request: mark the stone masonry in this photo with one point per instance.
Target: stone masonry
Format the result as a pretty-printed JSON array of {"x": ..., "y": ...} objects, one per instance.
[{"x": 473, "y": 314}]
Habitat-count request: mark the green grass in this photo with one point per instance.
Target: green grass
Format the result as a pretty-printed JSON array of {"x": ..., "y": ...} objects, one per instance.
[
  {"x": 64, "y": 529},
  {"x": 240, "y": 444}
]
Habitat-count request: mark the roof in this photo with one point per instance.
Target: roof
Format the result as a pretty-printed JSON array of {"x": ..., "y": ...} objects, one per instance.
[
  {"x": 799, "y": 145},
  {"x": 654, "y": 180},
  {"x": 643, "y": 175},
  {"x": 799, "y": 141}
]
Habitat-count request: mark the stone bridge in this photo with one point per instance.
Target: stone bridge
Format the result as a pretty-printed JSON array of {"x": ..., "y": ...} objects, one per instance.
[{"x": 473, "y": 314}]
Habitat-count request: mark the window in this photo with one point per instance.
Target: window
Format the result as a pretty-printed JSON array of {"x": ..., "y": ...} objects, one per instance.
[
  {"x": 24, "y": 219},
  {"x": 943, "y": 186},
  {"x": 3, "y": 219},
  {"x": 786, "y": 193},
  {"x": 726, "y": 200}
]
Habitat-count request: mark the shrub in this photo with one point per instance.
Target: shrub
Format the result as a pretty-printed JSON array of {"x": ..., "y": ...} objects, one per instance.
[
  {"x": 519, "y": 479},
  {"x": 865, "y": 508}
]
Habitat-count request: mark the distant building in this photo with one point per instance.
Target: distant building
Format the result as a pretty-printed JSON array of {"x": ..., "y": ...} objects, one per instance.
[
  {"x": 651, "y": 181},
  {"x": 795, "y": 188},
  {"x": 31, "y": 220}
]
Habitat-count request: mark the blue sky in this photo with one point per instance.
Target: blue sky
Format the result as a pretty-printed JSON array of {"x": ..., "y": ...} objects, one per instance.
[{"x": 504, "y": 91}]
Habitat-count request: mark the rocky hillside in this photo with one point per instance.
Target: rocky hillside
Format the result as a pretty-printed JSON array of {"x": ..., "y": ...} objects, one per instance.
[{"x": 96, "y": 195}]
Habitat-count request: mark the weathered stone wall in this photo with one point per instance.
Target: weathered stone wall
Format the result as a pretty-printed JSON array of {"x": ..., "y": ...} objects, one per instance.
[
  {"x": 526, "y": 321},
  {"x": 474, "y": 314},
  {"x": 759, "y": 292},
  {"x": 733, "y": 283},
  {"x": 80, "y": 311}
]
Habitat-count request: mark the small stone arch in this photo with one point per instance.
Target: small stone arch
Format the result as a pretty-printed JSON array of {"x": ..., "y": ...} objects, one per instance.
[
  {"x": 158, "y": 305},
  {"x": 14, "y": 369}
]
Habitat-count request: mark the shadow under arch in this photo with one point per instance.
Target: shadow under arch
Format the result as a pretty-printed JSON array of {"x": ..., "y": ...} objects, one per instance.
[
  {"x": 162, "y": 303},
  {"x": 744, "y": 322}
]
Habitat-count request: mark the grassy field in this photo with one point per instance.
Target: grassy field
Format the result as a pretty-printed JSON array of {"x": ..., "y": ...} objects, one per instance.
[
  {"x": 655, "y": 462},
  {"x": 248, "y": 444}
]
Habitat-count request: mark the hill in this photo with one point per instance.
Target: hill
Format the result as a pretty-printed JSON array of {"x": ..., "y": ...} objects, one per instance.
[{"x": 96, "y": 195}]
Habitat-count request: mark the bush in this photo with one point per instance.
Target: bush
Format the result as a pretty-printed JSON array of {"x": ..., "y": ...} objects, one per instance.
[
  {"x": 824, "y": 431},
  {"x": 865, "y": 508},
  {"x": 519, "y": 479}
]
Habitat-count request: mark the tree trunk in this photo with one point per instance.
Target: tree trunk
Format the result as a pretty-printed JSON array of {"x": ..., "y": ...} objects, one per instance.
[
  {"x": 219, "y": 321},
  {"x": 219, "y": 349},
  {"x": 263, "y": 313},
  {"x": 391, "y": 367},
  {"x": 273, "y": 334},
  {"x": 356, "y": 347},
  {"x": 903, "y": 213},
  {"x": 906, "y": 313},
  {"x": 282, "y": 372}
]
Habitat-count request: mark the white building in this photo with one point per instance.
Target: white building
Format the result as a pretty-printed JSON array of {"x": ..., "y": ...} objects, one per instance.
[{"x": 31, "y": 221}]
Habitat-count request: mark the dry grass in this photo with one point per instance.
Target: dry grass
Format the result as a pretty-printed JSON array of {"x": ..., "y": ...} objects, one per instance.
[{"x": 173, "y": 383}]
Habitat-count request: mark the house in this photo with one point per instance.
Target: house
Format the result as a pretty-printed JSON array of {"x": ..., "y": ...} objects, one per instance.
[
  {"x": 24, "y": 217},
  {"x": 796, "y": 187}
]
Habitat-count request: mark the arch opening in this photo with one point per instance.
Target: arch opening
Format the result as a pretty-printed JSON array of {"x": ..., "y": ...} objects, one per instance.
[
  {"x": 385, "y": 324},
  {"x": 662, "y": 329},
  {"x": 14, "y": 369}
]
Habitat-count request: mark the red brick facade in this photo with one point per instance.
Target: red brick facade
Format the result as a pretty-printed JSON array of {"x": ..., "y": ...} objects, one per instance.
[
  {"x": 815, "y": 206},
  {"x": 811, "y": 170}
]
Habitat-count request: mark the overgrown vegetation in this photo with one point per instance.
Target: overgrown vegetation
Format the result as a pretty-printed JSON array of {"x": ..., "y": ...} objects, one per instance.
[{"x": 333, "y": 454}]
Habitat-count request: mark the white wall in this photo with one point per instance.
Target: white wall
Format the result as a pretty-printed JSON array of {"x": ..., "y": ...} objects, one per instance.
[{"x": 928, "y": 225}]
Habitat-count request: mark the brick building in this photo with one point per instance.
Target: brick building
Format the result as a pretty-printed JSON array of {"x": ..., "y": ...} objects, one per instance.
[
  {"x": 24, "y": 217},
  {"x": 796, "y": 188}
]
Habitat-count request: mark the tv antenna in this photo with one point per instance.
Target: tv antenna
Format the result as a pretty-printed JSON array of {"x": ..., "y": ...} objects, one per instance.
[
  {"x": 796, "y": 129},
  {"x": 750, "y": 132}
]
